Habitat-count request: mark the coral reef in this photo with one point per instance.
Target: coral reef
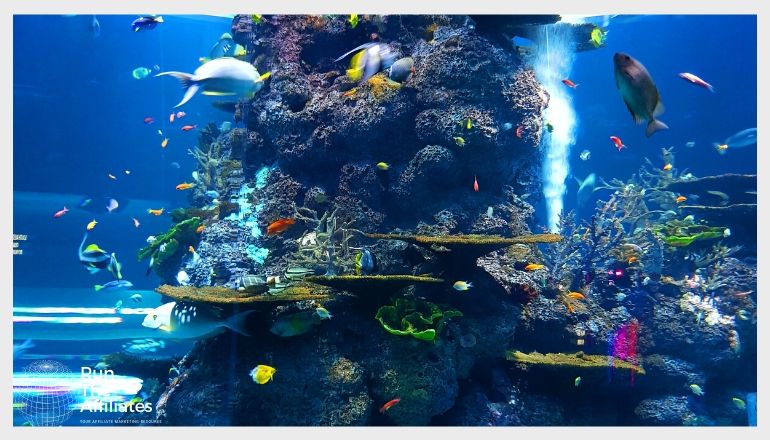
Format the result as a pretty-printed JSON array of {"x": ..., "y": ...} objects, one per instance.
[
  {"x": 225, "y": 295},
  {"x": 414, "y": 317},
  {"x": 576, "y": 360}
]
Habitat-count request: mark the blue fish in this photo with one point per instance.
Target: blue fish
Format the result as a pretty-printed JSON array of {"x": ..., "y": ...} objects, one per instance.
[
  {"x": 365, "y": 262},
  {"x": 114, "y": 286},
  {"x": 213, "y": 194},
  {"x": 146, "y": 23}
]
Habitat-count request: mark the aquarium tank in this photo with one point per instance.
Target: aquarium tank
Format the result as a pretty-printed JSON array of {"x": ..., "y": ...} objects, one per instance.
[{"x": 384, "y": 220}]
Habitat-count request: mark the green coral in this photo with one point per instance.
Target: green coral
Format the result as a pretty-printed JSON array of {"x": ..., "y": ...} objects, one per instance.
[
  {"x": 680, "y": 233},
  {"x": 420, "y": 319},
  {"x": 573, "y": 360},
  {"x": 182, "y": 233}
]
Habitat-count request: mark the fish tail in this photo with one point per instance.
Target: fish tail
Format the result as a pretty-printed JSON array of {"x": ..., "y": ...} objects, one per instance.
[
  {"x": 237, "y": 323},
  {"x": 98, "y": 287},
  {"x": 188, "y": 83},
  {"x": 655, "y": 125}
]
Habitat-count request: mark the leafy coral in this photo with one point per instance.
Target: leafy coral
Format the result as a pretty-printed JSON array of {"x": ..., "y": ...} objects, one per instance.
[
  {"x": 225, "y": 295},
  {"x": 178, "y": 237},
  {"x": 420, "y": 319},
  {"x": 574, "y": 360}
]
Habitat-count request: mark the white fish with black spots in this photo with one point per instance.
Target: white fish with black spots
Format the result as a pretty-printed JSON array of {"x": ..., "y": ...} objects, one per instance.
[{"x": 188, "y": 321}]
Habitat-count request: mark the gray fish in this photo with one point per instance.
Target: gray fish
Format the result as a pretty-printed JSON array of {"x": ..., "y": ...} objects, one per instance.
[
  {"x": 587, "y": 187},
  {"x": 296, "y": 273},
  {"x": 401, "y": 69},
  {"x": 224, "y": 47},
  {"x": 114, "y": 286},
  {"x": 639, "y": 92},
  {"x": 295, "y": 324}
]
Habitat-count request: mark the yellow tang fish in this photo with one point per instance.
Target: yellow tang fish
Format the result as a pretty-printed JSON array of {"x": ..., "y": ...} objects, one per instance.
[
  {"x": 91, "y": 225},
  {"x": 261, "y": 374}
]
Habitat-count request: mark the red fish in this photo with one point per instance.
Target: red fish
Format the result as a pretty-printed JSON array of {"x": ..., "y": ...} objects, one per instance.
[
  {"x": 519, "y": 131},
  {"x": 189, "y": 127},
  {"x": 61, "y": 213},
  {"x": 279, "y": 226},
  {"x": 148, "y": 120},
  {"x": 697, "y": 81},
  {"x": 618, "y": 143},
  {"x": 475, "y": 184},
  {"x": 388, "y": 405},
  {"x": 569, "y": 83}
]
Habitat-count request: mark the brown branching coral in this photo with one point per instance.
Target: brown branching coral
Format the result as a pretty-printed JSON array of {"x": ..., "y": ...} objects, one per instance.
[
  {"x": 326, "y": 245},
  {"x": 208, "y": 163}
]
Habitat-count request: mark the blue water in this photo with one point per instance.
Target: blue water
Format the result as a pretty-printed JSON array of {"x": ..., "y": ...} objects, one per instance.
[{"x": 78, "y": 116}]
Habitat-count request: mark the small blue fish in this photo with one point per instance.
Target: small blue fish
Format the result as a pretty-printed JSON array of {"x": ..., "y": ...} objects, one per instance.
[
  {"x": 146, "y": 23},
  {"x": 114, "y": 286},
  {"x": 323, "y": 313},
  {"x": 365, "y": 262},
  {"x": 213, "y": 194},
  {"x": 85, "y": 202}
]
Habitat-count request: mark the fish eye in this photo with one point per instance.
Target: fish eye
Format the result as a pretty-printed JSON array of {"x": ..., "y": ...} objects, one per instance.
[
  {"x": 626, "y": 57},
  {"x": 154, "y": 316}
]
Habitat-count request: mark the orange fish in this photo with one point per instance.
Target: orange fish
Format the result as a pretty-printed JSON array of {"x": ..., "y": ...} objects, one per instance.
[
  {"x": 279, "y": 226},
  {"x": 189, "y": 127},
  {"x": 618, "y": 143},
  {"x": 171, "y": 117},
  {"x": 136, "y": 222},
  {"x": 61, "y": 213},
  {"x": 475, "y": 184},
  {"x": 199, "y": 229},
  {"x": 180, "y": 115},
  {"x": 164, "y": 143},
  {"x": 743, "y": 293},
  {"x": 190, "y": 249},
  {"x": 350, "y": 92},
  {"x": 667, "y": 167},
  {"x": 388, "y": 405},
  {"x": 530, "y": 267},
  {"x": 681, "y": 199},
  {"x": 576, "y": 295},
  {"x": 520, "y": 131},
  {"x": 184, "y": 186},
  {"x": 155, "y": 211},
  {"x": 112, "y": 177},
  {"x": 632, "y": 260},
  {"x": 569, "y": 83}
]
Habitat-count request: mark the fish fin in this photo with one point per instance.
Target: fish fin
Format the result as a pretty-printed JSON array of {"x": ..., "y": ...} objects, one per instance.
[
  {"x": 159, "y": 19},
  {"x": 579, "y": 182},
  {"x": 98, "y": 287},
  {"x": 637, "y": 119},
  {"x": 210, "y": 93},
  {"x": 363, "y": 46},
  {"x": 93, "y": 270},
  {"x": 655, "y": 125},
  {"x": 93, "y": 248},
  {"x": 264, "y": 76},
  {"x": 237, "y": 323},
  {"x": 188, "y": 83},
  {"x": 659, "y": 109}
]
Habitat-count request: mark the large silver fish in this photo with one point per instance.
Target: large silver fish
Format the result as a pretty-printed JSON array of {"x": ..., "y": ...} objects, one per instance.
[
  {"x": 185, "y": 321},
  {"x": 639, "y": 92},
  {"x": 221, "y": 77}
]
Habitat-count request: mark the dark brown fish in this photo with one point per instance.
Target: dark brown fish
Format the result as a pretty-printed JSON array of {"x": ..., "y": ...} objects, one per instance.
[{"x": 639, "y": 92}]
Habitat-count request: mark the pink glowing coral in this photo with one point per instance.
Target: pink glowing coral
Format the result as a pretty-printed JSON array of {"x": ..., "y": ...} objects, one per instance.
[{"x": 623, "y": 345}]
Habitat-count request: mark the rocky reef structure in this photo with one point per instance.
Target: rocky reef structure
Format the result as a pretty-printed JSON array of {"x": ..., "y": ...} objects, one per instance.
[{"x": 376, "y": 176}]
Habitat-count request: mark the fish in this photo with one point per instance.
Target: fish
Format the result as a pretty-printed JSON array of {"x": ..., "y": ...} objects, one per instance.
[
  {"x": 618, "y": 143},
  {"x": 146, "y": 23},
  {"x": 155, "y": 212},
  {"x": 200, "y": 229},
  {"x": 743, "y": 138},
  {"x": 118, "y": 306},
  {"x": 365, "y": 262},
  {"x": 585, "y": 155},
  {"x": 389, "y": 405},
  {"x": 171, "y": 118},
  {"x": 549, "y": 127},
  {"x": 506, "y": 126},
  {"x": 175, "y": 165},
  {"x": 697, "y": 390},
  {"x": 112, "y": 177},
  {"x": 576, "y": 295},
  {"x": 697, "y": 81},
  {"x": 149, "y": 120},
  {"x": 370, "y": 59},
  {"x": 220, "y": 77},
  {"x": 164, "y": 143},
  {"x": 323, "y": 313},
  {"x": 127, "y": 172},
  {"x": 279, "y": 226},
  {"x": 740, "y": 404},
  {"x": 112, "y": 205},
  {"x": 93, "y": 257},
  {"x": 239, "y": 51},
  {"x": 91, "y": 225},
  {"x": 96, "y": 28},
  {"x": 114, "y": 286},
  {"x": 468, "y": 124},
  {"x": 459, "y": 141},
  {"x": 189, "y": 127},
  {"x": 667, "y": 167},
  {"x": 294, "y": 324},
  {"x": 401, "y": 69},
  {"x": 353, "y": 20},
  {"x": 191, "y": 249},
  {"x": 182, "y": 278},
  {"x": 586, "y": 188},
  {"x": 114, "y": 267},
  {"x": 225, "y": 126},
  {"x": 149, "y": 266},
  {"x": 383, "y": 166},
  {"x": 141, "y": 73},
  {"x": 261, "y": 374},
  {"x": 597, "y": 36},
  {"x": 256, "y": 18},
  {"x": 223, "y": 47},
  {"x": 532, "y": 267},
  {"x": 139, "y": 346},
  {"x": 690, "y": 144},
  {"x": 85, "y": 202},
  {"x": 19, "y": 349},
  {"x": 61, "y": 212},
  {"x": 681, "y": 199},
  {"x": 462, "y": 285},
  {"x": 173, "y": 373},
  {"x": 569, "y": 83},
  {"x": 520, "y": 131},
  {"x": 137, "y": 297},
  {"x": 185, "y": 185},
  {"x": 212, "y": 194},
  {"x": 578, "y": 380},
  {"x": 188, "y": 321},
  {"x": 721, "y": 148},
  {"x": 136, "y": 222},
  {"x": 639, "y": 92},
  {"x": 632, "y": 260},
  {"x": 726, "y": 233},
  {"x": 475, "y": 184}
]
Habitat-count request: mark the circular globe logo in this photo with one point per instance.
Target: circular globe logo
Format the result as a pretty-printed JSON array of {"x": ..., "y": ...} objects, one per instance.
[{"x": 47, "y": 400}]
